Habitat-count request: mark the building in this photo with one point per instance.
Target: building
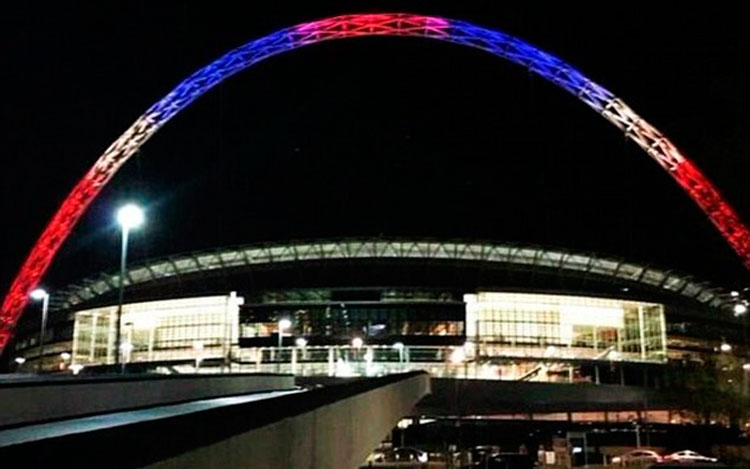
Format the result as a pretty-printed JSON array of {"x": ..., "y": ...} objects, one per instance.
[{"x": 374, "y": 306}]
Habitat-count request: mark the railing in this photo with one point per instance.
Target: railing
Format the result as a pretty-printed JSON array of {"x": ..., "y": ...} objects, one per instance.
[{"x": 565, "y": 365}]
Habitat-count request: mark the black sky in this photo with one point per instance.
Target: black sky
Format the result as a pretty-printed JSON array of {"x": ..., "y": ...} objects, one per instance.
[{"x": 378, "y": 136}]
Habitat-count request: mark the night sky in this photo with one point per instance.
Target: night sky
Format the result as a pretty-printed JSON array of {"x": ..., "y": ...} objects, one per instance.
[{"x": 372, "y": 137}]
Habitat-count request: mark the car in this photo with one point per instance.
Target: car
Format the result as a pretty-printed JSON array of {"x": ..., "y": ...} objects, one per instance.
[
  {"x": 511, "y": 461},
  {"x": 397, "y": 458},
  {"x": 637, "y": 457},
  {"x": 410, "y": 454},
  {"x": 688, "y": 456},
  {"x": 481, "y": 454}
]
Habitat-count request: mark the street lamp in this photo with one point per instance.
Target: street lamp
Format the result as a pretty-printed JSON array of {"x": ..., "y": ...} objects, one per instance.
[
  {"x": 301, "y": 343},
  {"x": 725, "y": 347},
  {"x": 198, "y": 348},
  {"x": 400, "y": 347},
  {"x": 357, "y": 342},
  {"x": 458, "y": 355},
  {"x": 41, "y": 294},
  {"x": 128, "y": 217},
  {"x": 284, "y": 323},
  {"x": 740, "y": 309}
]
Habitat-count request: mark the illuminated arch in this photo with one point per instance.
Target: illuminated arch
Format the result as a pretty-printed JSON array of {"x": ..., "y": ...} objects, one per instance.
[{"x": 393, "y": 24}]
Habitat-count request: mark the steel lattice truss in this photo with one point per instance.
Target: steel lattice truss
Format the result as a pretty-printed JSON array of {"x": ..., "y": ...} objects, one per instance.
[
  {"x": 502, "y": 45},
  {"x": 511, "y": 256}
]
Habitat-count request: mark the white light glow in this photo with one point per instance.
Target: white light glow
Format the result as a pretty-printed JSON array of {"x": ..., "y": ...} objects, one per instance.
[
  {"x": 144, "y": 321},
  {"x": 746, "y": 367},
  {"x": 398, "y": 346},
  {"x": 301, "y": 342},
  {"x": 39, "y": 294},
  {"x": 65, "y": 356},
  {"x": 726, "y": 347},
  {"x": 740, "y": 308},
  {"x": 458, "y": 355},
  {"x": 343, "y": 368},
  {"x": 284, "y": 324},
  {"x": 130, "y": 216},
  {"x": 357, "y": 342},
  {"x": 20, "y": 360}
]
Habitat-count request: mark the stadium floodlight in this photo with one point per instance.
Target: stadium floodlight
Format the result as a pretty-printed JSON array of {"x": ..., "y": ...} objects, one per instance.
[
  {"x": 129, "y": 216},
  {"x": 41, "y": 295}
]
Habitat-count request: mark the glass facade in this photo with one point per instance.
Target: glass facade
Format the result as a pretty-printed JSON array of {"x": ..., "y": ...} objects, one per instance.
[
  {"x": 564, "y": 327},
  {"x": 491, "y": 335},
  {"x": 340, "y": 322},
  {"x": 158, "y": 331}
]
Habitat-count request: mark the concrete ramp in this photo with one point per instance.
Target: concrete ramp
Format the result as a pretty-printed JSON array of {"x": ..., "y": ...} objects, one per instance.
[
  {"x": 37, "y": 399},
  {"x": 324, "y": 427}
]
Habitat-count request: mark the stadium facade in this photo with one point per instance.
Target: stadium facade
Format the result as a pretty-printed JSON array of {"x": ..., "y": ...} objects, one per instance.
[{"x": 372, "y": 306}]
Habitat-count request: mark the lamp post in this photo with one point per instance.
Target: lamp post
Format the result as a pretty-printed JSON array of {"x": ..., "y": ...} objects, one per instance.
[
  {"x": 284, "y": 323},
  {"x": 40, "y": 294},
  {"x": 357, "y": 343},
  {"x": 400, "y": 347},
  {"x": 128, "y": 217},
  {"x": 198, "y": 348},
  {"x": 19, "y": 362}
]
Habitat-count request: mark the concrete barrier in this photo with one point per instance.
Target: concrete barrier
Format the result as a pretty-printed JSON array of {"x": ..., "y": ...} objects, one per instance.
[
  {"x": 328, "y": 427},
  {"x": 27, "y": 401},
  {"x": 337, "y": 435}
]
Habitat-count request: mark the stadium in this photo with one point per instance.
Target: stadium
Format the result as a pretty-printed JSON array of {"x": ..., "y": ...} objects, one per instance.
[
  {"x": 534, "y": 339},
  {"x": 368, "y": 307}
]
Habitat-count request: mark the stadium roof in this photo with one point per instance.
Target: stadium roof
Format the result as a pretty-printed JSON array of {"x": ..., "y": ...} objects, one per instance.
[{"x": 504, "y": 255}]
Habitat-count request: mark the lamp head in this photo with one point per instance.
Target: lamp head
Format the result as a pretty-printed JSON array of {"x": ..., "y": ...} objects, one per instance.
[
  {"x": 130, "y": 216},
  {"x": 39, "y": 294}
]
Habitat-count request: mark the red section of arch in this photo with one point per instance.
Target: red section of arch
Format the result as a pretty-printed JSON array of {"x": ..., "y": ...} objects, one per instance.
[
  {"x": 43, "y": 252},
  {"x": 722, "y": 215}
]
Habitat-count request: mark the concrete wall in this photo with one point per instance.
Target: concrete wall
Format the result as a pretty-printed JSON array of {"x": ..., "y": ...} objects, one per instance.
[
  {"x": 32, "y": 401},
  {"x": 483, "y": 397},
  {"x": 338, "y": 435}
]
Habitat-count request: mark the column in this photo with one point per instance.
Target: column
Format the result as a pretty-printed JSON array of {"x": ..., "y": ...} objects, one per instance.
[
  {"x": 641, "y": 333},
  {"x": 92, "y": 351}
]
